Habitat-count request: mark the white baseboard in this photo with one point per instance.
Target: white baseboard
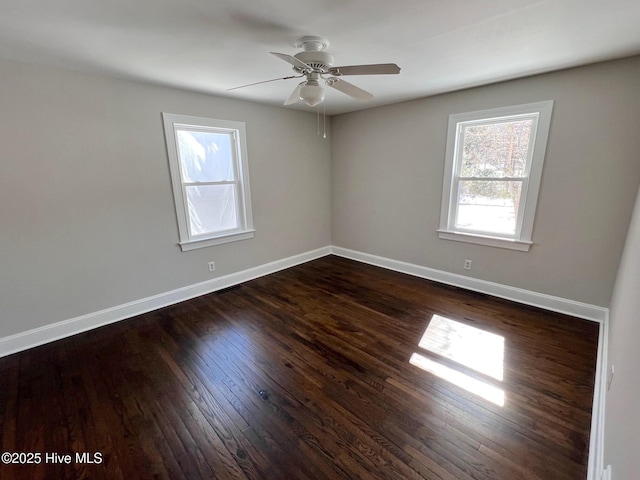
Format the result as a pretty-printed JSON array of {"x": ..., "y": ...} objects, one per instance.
[
  {"x": 527, "y": 297},
  {"x": 49, "y": 333},
  {"x": 596, "y": 470}
]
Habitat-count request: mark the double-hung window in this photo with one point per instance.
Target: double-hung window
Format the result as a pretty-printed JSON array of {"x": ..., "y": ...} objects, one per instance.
[
  {"x": 493, "y": 168},
  {"x": 210, "y": 178}
]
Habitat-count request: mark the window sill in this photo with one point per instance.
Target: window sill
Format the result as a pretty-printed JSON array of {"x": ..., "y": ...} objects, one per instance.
[
  {"x": 520, "y": 245},
  {"x": 208, "y": 242}
]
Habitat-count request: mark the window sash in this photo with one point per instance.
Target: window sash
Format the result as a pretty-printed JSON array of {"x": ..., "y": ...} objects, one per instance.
[
  {"x": 540, "y": 114},
  {"x": 237, "y": 209},
  {"x": 240, "y": 220},
  {"x": 462, "y": 127},
  {"x": 455, "y": 207}
]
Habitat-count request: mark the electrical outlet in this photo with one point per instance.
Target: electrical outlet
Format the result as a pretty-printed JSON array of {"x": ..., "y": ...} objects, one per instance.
[
  {"x": 212, "y": 266},
  {"x": 467, "y": 264}
]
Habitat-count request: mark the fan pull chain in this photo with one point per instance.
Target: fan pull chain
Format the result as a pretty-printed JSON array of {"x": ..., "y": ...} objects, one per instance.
[{"x": 324, "y": 122}]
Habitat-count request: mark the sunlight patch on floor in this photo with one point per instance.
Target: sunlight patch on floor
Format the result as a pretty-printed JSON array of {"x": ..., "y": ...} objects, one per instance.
[
  {"x": 468, "y": 346},
  {"x": 470, "y": 384}
]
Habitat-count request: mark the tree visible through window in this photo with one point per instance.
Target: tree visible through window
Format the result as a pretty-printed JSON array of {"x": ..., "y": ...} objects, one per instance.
[{"x": 493, "y": 168}]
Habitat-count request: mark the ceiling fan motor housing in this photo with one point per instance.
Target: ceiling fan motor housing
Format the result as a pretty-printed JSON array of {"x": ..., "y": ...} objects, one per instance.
[{"x": 317, "y": 60}]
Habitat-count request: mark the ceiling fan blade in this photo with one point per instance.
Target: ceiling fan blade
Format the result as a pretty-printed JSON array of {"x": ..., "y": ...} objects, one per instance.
[
  {"x": 295, "y": 95},
  {"x": 292, "y": 60},
  {"x": 349, "y": 89},
  {"x": 374, "y": 69},
  {"x": 265, "y": 81}
]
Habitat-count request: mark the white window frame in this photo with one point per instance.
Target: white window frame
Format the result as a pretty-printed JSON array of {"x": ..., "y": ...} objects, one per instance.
[
  {"x": 522, "y": 239},
  {"x": 173, "y": 122}
]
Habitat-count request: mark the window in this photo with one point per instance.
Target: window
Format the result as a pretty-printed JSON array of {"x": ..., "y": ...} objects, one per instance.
[
  {"x": 210, "y": 178},
  {"x": 492, "y": 175}
]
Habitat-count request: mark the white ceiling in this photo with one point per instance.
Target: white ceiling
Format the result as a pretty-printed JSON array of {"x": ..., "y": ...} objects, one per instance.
[{"x": 213, "y": 45}]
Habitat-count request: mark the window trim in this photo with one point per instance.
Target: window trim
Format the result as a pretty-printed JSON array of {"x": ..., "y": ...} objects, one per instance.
[
  {"x": 522, "y": 239},
  {"x": 245, "y": 230}
]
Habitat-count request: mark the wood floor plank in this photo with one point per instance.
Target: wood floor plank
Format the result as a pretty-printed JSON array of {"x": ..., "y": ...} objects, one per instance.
[
  {"x": 306, "y": 374},
  {"x": 239, "y": 408}
]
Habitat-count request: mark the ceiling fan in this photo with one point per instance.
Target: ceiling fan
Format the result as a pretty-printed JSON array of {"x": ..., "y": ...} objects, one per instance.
[{"x": 315, "y": 64}]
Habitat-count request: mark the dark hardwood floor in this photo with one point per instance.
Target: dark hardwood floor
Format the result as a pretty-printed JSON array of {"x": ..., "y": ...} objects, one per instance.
[{"x": 314, "y": 372}]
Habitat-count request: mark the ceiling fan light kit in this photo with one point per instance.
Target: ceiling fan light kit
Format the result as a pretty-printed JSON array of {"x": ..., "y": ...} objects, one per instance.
[
  {"x": 314, "y": 63},
  {"x": 311, "y": 93}
]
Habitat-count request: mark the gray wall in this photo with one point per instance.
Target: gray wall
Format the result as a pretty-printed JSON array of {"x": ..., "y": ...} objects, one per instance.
[
  {"x": 387, "y": 168},
  {"x": 86, "y": 210},
  {"x": 622, "y": 423}
]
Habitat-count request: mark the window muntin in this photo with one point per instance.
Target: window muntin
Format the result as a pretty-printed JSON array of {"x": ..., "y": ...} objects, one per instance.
[
  {"x": 492, "y": 174},
  {"x": 210, "y": 180}
]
